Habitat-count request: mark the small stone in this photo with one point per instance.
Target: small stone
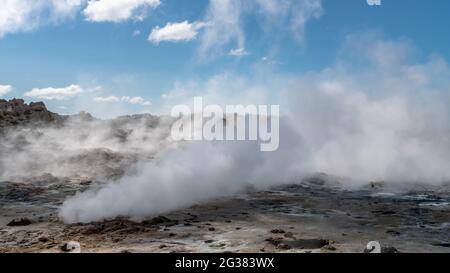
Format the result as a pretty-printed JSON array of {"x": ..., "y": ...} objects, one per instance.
[
  {"x": 277, "y": 231},
  {"x": 389, "y": 249},
  {"x": 43, "y": 239},
  {"x": 71, "y": 247}
]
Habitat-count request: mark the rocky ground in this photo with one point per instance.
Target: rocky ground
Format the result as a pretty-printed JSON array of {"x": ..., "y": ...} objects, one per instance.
[
  {"x": 312, "y": 216},
  {"x": 16, "y": 112}
]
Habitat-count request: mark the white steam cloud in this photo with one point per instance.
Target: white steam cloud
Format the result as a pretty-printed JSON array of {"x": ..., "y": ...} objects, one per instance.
[
  {"x": 376, "y": 115},
  {"x": 82, "y": 147}
]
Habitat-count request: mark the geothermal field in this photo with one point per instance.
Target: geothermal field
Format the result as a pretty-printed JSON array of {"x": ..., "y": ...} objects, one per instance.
[{"x": 122, "y": 185}]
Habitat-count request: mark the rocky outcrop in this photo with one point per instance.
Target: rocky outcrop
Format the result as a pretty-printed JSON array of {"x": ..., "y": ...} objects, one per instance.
[{"x": 16, "y": 112}]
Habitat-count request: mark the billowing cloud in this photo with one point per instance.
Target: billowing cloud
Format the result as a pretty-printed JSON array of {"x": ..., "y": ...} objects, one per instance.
[
  {"x": 384, "y": 117},
  {"x": 118, "y": 10},
  {"x": 51, "y": 93},
  {"x": 5, "y": 89},
  {"x": 175, "y": 32},
  {"x": 26, "y": 15}
]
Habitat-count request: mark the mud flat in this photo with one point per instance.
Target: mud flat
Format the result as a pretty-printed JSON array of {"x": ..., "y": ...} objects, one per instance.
[{"x": 307, "y": 217}]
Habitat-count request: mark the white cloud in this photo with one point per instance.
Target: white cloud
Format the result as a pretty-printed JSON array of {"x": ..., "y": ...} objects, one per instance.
[
  {"x": 51, "y": 93},
  {"x": 118, "y": 10},
  {"x": 5, "y": 89},
  {"x": 238, "y": 52},
  {"x": 136, "y": 100},
  {"x": 26, "y": 15},
  {"x": 225, "y": 20},
  {"x": 300, "y": 13},
  {"x": 107, "y": 99},
  {"x": 127, "y": 99},
  {"x": 175, "y": 32}
]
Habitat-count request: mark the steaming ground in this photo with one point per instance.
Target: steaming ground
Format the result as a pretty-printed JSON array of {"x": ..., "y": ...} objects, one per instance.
[
  {"x": 82, "y": 146},
  {"x": 380, "y": 115}
]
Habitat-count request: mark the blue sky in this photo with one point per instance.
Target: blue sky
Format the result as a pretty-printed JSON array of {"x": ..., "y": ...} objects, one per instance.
[{"x": 114, "y": 66}]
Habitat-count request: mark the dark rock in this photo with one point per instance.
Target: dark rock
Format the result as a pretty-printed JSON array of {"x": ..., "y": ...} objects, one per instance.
[
  {"x": 16, "y": 112},
  {"x": 309, "y": 243},
  {"x": 389, "y": 249},
  {"x": 43, "y": 239},
  {"x": 277, "y": 231},
  {"x": 442, "y": 244},
  {"x": 157, "y": 221},
  {"x": 218, "y": 245},
  {"x": 20, "y": 222},
  {"x": 300, "y": 243},
  {"x": 393, "y": 232},
  {"x": 384, "y": 212}
]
